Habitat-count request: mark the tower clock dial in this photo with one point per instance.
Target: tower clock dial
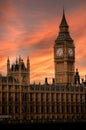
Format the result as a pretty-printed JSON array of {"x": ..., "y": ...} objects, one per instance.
[
  {"x": 59, "y": 52},
  {"x": 70, "y": 51}
]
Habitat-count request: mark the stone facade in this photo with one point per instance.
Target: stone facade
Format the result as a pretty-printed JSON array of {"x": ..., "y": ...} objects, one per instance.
[{"x": 63, "y": 100}]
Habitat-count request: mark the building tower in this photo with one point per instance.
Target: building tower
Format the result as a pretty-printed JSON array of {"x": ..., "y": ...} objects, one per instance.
[
  {"x": 8, "y": 65},
  {"x": 64, "y": 55},
  {"x": 19, "y": 71}
]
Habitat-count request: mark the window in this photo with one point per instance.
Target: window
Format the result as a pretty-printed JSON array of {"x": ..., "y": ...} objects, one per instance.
[
  {"x": 52, "y": 97},
  {"x": 77, "y": 108},
  {"x": 58, "y": 108},
  {"x": 16, "y": 97},
  {"x": 31, "y": 97},
  {"x": 47, "y": 109},
  {"x": 31, "y": 109},
  {"x": 4, "y": 110},
  {"x": 68, "y": 108},
  {"x": 16, "y": 109},
  {"x": 42, "y": 109},
  {"x": 24, "y": 96},
  {"x": 53, "y": 109},
  {"x": 47, "y": 97},
  {"x": 63, "y": 109},
  {"x": 42, "y": 97},
  {"x": 24, "y": 108},
  {"x": 37, "y": 97},
  {"x": 57, "y": 97},
  {"x": 72, "y": 109},
  {"x": 10, "y": 109},
  {"x": 37, "y": 109}
]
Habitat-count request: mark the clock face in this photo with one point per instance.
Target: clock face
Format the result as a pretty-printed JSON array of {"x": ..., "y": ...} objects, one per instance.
[
  {"x": 70, "y": 51},
  {"x": 59, "y": 52}
]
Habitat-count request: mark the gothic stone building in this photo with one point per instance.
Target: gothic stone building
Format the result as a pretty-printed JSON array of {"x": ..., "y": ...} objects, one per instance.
[{"x": 63, "y": 100}]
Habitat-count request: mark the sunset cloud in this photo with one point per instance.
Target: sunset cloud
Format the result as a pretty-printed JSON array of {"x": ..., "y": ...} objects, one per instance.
[{"x": 30, "y": 28}]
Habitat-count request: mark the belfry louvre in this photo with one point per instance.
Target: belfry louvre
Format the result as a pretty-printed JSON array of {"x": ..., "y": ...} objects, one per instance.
[{"x": 63, "y": 100}]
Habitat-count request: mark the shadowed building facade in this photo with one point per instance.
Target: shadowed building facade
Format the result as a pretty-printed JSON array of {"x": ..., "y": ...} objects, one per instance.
[{"x": 63, "y": 100}]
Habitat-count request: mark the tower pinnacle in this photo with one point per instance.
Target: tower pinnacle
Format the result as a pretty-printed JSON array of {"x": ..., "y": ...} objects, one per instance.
[
  {"x": 63, "y": 21},
  {"x": 64, "y": 34}
]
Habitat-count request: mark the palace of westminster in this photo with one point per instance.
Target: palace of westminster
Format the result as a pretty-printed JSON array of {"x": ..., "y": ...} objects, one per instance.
[{"x": 63, "y": 100}]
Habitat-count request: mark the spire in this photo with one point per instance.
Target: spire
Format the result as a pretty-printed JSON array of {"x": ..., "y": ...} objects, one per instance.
[
  {"x": 76, "y": 70},
  {"x": 8, "y": 61},
  {"x": 8, "y": 65},
  {"x": 16, "y": 61},
  {"x": 19, "y": 59},
  {"x": 63, "y": 21},
  {"x": 28, "y": 63},
  {"x": 64, "y": 34},
  {"x": 28, "y": 58}
]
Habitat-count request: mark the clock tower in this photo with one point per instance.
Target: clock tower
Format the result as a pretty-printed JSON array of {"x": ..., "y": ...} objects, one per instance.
[{"x": 64, "y": 55}]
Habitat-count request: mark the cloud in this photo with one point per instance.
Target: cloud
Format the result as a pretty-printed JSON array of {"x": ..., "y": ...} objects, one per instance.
[{"x": 30, "y": 28}]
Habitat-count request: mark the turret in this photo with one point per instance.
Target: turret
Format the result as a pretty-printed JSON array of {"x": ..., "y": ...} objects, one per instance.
[
  {"x": 8, "y": 66},
  {"x": 28, "y": 70},
  {"x": 77, "y": 77},
  {"x": 19, "y": 71},
  {"x": 28, "y": 63},
  {"x": 53, "y": 81},
  {"x": 46, "y": 81}
]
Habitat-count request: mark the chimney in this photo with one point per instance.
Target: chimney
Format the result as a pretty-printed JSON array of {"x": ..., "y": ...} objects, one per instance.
[{"x": 46, "y": 81}]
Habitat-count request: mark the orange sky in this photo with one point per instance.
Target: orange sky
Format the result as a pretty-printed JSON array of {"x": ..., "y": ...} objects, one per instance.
[{"x": 29, "y": 28}]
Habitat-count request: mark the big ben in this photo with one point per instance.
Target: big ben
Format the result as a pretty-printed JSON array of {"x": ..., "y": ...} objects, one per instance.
[{"x": 64, "y": 55}]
